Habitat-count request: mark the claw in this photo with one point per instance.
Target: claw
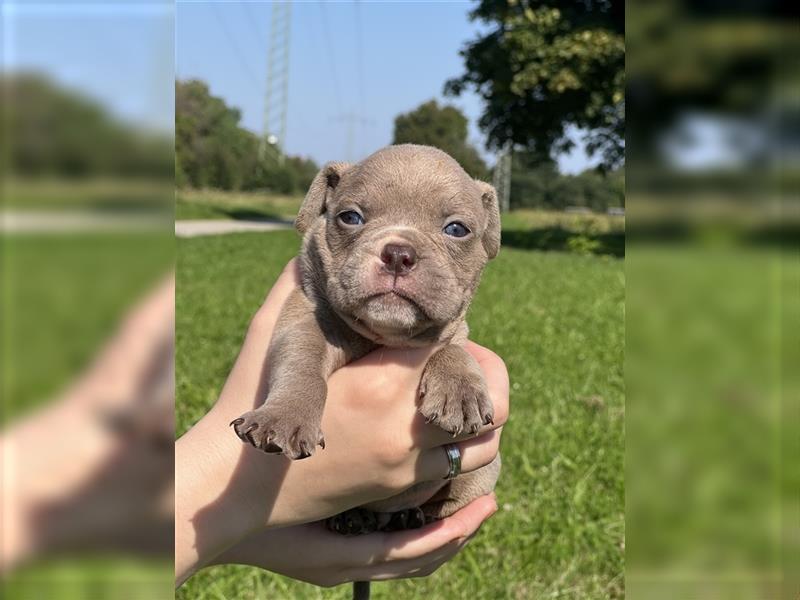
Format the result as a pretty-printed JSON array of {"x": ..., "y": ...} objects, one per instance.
[
  {"x": 304, "y": 451},
  {"x": 322, "y": 442},
  {"x": 272, "y": 448},
  {"x": 235, "y": 422},
  {"x": 250, "y": 429}
]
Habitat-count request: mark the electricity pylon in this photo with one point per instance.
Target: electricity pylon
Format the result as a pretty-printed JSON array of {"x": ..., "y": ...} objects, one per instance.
[
  {"x": 276, "y": 101},
  {"x": 502, "y": 178}
]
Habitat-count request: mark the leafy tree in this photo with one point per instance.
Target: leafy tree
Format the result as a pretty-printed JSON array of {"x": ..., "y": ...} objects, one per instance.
[
  {"x": 543, "y": 67},
  {"x": 56, "y": 131},
  {"x": 304, "y": 170},
  {"x": 706, "y": 56},
  {"x": 538, "y": 184},
  {"x": 443, "y": 127},
  {"x": 213, "y": 150}
]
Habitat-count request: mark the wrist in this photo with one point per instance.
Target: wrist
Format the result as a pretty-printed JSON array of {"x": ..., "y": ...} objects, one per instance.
[{"x": 210, "y": 513}]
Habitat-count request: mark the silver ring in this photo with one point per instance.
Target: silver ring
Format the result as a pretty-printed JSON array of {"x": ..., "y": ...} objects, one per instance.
[{"x": 454, "y": 460}]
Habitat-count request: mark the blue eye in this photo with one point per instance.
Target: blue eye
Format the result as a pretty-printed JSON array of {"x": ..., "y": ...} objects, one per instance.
[
  {"x": 456, "y": 229},
  {"x": 351, "y": 217}
]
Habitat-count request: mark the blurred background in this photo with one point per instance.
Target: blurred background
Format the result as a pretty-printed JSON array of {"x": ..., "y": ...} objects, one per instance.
[
  {"x": 712, "y": 300},
  {"x": 679, "y": 481},
  {"x": 87, "y": 302}
]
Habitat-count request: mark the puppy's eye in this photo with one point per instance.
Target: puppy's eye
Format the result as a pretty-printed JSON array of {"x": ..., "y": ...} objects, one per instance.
[
  {"x": 456, "y": 229},
  {"x": 351, "y": 217}
]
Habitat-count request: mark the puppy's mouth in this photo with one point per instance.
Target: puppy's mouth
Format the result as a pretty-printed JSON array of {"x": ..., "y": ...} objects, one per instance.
[
  {"x": 387, "y": 313},
  {"x": 395, "y": 295}
]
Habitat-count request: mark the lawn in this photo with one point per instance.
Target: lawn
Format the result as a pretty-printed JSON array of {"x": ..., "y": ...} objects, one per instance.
[
  {"x": 557, "y": 318},
  {"x": 63, "y": 296},
  {"x": 217, "y": 204}
]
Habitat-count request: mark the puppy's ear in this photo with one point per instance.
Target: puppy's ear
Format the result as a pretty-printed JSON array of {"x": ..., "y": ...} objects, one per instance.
[
  {"x": 315, "y": 201},
  {"x": 491, "y": 235}
]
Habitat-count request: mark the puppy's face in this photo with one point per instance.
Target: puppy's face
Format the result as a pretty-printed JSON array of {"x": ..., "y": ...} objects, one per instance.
[{"x": 400, "y": 241}]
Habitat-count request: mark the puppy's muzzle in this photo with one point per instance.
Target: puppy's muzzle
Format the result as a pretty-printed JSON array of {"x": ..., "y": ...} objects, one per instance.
[{"x": 398, "y": 259}]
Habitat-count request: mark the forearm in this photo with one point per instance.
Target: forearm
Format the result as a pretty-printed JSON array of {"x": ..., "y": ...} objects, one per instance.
[
  {"x": 225, "y": 490},
  {"x": 210, "y": 515}
]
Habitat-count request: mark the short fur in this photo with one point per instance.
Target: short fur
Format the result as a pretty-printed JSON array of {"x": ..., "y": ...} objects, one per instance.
[{"x": 350, "y": 303}]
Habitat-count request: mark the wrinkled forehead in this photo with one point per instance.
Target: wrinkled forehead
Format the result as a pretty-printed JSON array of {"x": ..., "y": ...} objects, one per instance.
[{"x": 410, "y": 187}]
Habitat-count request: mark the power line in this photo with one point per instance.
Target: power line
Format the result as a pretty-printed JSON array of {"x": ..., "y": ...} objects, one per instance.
[
  {"x": 243, "y": 62},
  {"x": 360, "y": 57},
  {"x": 252, "y": 19},
  {"x": 350, "y": 119},
  {"x": 326, "y": 34}
]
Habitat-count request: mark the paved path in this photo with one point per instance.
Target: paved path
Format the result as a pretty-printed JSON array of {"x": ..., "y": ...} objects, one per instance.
[
  {"x": 76, "y": 221},
  {"x": 85, "y": 221},
  {"x": 185, "y": 228}
]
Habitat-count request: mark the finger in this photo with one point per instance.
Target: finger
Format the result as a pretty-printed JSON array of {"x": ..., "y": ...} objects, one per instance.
[
  {"x": 413, "y": 567},
  {"x": 416, "y": 567},
  {"x": 476, "y": 452},
  {"x": 404, "y": 365},
  {"x": 419, "y": 542},
  {"x": 496, "y": 374}
]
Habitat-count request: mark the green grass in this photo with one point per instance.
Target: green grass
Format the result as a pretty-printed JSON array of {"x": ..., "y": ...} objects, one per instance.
[
  {"x": 557, "y": 319},
  {"x": 62, "y": 297},
  {"x": 713, "y": 389},
  {"x": 92, "y": 194},
  {"x": 575, "y": 222},
  {"x": 217, "y": 204},
  {"x": 94, "y": 577}
]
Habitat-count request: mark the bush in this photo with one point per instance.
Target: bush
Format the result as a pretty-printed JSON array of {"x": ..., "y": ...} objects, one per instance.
[{"x": 538, "y": 184}]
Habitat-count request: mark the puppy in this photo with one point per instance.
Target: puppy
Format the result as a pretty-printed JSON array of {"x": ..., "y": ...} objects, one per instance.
[{"x": 393, "y": 250}]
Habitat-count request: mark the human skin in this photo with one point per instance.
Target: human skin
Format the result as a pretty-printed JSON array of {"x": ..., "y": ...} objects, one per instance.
[
  {"x": 94, "y": 487},
  {"x": 377, "y": 445}
]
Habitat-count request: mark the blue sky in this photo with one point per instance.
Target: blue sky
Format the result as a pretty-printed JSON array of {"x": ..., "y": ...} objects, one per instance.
[
  {"x": 409, "y": 50},
  {"x": 118, "y": 53},
  {"x": 121, "y": 53}
]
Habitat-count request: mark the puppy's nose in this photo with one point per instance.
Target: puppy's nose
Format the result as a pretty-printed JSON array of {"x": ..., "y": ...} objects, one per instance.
[{"x": 398, "y": 259}]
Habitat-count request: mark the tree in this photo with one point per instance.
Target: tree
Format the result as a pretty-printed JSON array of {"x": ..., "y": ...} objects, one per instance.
[
  {"x": 538, "y": 184},
  {"x": 52, "y": 130},
  {"x": 443, "y": 127},
  {"x": 543, "y": 68},
  {"x": 709, "y": 57},
  {"x": 212, "y": 150}
]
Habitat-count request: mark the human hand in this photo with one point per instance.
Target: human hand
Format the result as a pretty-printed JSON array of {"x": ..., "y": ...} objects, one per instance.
[
  {"x": 378, "y": 445},
  {"x": 330, "y": 559},
  {"x": 92, "y": 470}
]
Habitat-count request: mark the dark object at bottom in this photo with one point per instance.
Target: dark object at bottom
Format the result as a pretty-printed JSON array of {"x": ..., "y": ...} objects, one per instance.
[
  {"x": 361, "y": 590},
  {"x": 358, "y": 521}
]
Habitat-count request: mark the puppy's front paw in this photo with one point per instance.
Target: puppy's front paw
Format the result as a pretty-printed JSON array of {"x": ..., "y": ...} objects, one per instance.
[
  {"x": 453, "y": 393},
  {"x": 276, "y": 434}
]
